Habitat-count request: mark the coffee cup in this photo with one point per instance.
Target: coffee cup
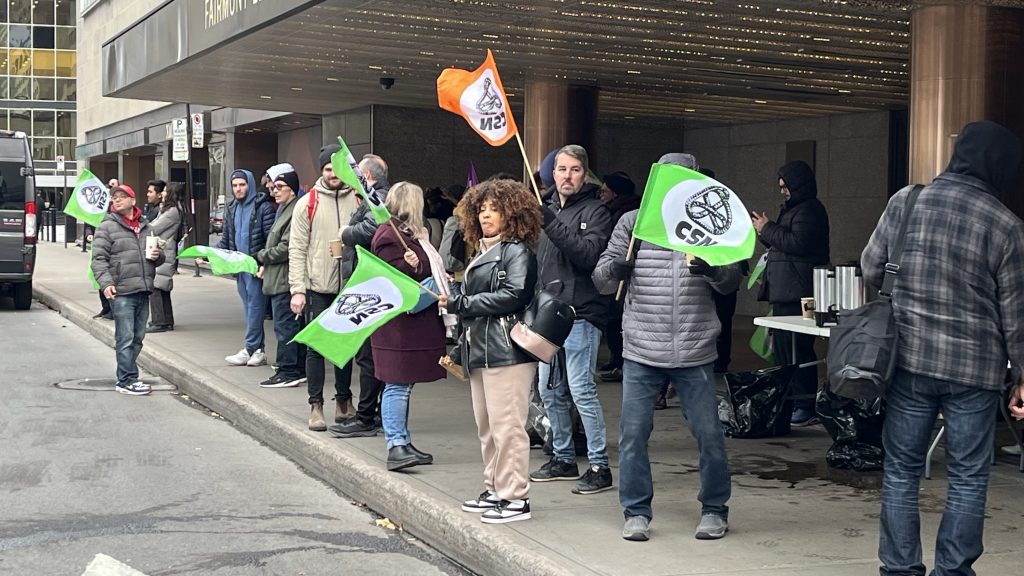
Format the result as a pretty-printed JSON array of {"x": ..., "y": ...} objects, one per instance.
[
  {"x": 152, "y": 242},
  {"x": 335, "y": 248},
  {"x": 807, "y": 307}
]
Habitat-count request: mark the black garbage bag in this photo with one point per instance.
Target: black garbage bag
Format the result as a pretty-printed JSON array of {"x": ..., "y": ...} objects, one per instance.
[
  {"x": 855, "y": 427},
  {"x": 538, "y": 426},
  {"x": 758, "y": 404}
]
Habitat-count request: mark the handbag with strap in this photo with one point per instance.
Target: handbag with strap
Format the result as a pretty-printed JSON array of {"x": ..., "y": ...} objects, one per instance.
[
  {"x": 862, "y": 348},
  {"x": 544, "y": 327}
]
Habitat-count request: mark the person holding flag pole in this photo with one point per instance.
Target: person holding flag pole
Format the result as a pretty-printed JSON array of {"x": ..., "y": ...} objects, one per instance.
[{"x": 670, "y": 327}]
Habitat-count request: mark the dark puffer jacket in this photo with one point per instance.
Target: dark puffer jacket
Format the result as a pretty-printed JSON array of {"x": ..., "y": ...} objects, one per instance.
[
  {"x": 798, "y": 240},
  {"x": 261, "y": 219},
  {"x": 569, "y": 249},
  {"x": 498, "y": 287},
  {"x": 359, "y": 232},
  {"x": 119, "y": 257}
]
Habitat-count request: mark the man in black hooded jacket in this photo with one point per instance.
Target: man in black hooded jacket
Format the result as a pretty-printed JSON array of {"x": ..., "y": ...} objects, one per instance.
[{"x": 796, "y": 243}]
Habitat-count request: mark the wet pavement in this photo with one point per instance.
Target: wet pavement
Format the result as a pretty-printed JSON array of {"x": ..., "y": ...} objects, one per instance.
[{"x": 790, "y": 514}]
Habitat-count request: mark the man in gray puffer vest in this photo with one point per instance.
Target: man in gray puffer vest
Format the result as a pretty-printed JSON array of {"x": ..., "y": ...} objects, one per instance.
[
  {"x": 669, "y": 328},
  {"x": 125, "y": 270}
]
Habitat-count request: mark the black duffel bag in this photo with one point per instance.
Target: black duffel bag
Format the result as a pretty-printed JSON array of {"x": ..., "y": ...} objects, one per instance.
[{"x": 862, "y": 347}]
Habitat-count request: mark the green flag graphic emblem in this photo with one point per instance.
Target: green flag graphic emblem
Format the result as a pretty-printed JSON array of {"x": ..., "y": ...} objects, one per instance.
[
  {"x": 222, "y": 261},
  {"x": 90, "y": 199},
  {"x": 373, "y": 295},
  {"x": 344, "y": 165}
]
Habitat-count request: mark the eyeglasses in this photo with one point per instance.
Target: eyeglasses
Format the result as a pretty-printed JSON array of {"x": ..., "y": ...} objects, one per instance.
[
  {"x": 119, "y": 197},
  {"x": 281, "y": 186}
]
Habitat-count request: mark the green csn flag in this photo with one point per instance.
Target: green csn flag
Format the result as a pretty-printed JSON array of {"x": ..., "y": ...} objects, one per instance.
[
  {"x": 344, "y": 165},
  {"x": 373, "y": 295},
  {"x": 90, "y": 199},
  {"x": 762, "y": 263},
  {"x": 222, "y": 261},
  {"x": 685, "y": 210}
]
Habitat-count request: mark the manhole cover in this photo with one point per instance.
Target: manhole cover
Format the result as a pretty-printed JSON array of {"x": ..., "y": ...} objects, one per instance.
[{"x": 107, "y": 384}]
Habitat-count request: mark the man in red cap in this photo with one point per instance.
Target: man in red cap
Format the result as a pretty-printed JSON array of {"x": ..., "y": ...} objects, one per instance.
[{"x": 124, "y": 267}]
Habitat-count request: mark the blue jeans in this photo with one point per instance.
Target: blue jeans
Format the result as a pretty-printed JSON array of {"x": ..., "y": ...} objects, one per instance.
[
  {"x": 131, "y": 312},
  {"x": 254, "y": 303},
  {"x": 696, "y": 389},
  {"x": 581, "y": 361},
  {"x": 912, "y": 405},
  {"x": 394, "y": 414},
  {"x": 291, "y": 356}
]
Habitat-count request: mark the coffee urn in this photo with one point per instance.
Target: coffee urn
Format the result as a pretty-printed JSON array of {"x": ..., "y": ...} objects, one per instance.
[
  {"x": 849, "y": 288},
  {"x": 824, "y": 296}
]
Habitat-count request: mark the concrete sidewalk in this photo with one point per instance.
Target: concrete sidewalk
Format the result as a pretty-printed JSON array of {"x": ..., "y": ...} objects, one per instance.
[{"x": 790, "y": 514}]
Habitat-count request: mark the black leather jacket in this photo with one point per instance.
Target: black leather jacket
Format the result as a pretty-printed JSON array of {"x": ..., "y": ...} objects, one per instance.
[{"x": 495, "y": 292}]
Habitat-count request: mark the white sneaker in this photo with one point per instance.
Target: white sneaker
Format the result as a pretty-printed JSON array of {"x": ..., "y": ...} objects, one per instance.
[
  {"x": 258, "y": 358},
  {"x": 240, "y": 359}
]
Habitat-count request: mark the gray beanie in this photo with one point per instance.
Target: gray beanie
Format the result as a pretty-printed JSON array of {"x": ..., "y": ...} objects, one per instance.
[{"x": 680, "y": 159}]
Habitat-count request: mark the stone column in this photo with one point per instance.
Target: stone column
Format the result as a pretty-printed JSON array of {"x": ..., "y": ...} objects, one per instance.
[
  {"x": 556, "y": 114},
  {"x": 966, "y": 65}
]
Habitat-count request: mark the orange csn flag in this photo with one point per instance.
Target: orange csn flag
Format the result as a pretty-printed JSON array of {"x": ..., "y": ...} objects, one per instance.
[{"x": 479, "y": 97}]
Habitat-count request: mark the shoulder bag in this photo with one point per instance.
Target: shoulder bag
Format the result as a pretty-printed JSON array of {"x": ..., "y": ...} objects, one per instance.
[{"x": 862, "y": 348}]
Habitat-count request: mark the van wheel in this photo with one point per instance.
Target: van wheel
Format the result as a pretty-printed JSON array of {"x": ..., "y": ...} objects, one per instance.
[{"x": 23, "y": 295}]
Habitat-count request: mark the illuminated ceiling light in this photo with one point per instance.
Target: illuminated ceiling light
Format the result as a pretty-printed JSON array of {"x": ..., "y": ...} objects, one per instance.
[
  {"x": 632, "y": 71},
  {"x": 492, "y": 36},
  {"x": 374, "y": 67},
  {"x": 820, "y": 39},
  {"x": 630, "y": 117},
  {"x": 842, "y": 91},
  {"x": 332, "y": 79},
  {"x": 760, "y": 101},
  {"x": 265, "y": 97},
  {"x": 424, "y": 53},
  {"x": 296, "y": 89},
  {"x": 689, "y": 109}
]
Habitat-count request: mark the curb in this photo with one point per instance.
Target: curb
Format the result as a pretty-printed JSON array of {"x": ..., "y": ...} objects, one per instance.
[{"x": 477, "y": 547}]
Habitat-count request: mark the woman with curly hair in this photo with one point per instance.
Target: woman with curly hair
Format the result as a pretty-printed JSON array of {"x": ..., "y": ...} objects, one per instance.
[{"x": 502, "y": 219}]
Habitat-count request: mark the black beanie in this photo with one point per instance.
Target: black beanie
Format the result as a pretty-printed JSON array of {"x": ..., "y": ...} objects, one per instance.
[
  {"x": 326, "y": 152},
  {"x": 620, "y": 184},
  {"x": 289, "y": 178}
]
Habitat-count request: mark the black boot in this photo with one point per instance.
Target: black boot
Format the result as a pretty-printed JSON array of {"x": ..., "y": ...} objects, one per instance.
[
  {"x": 424, "y": 458},
  {"x": 400, "y": 457}
]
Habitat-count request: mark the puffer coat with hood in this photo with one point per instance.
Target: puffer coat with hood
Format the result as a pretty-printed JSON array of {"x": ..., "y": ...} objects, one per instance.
[
  {"x": 247, "y": 221},
  {"x": 797, "y": 240}
]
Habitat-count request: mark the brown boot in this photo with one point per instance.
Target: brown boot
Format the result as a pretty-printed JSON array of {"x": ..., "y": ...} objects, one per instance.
[
  {"x": 316, "y": 417},
  {"x": 342, "y": 410}
]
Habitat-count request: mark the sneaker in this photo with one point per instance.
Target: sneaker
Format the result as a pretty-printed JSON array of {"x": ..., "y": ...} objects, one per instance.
[
  {"x": 487, "y": 500},
  {"x": 660, "y": 403},
  {"x": 352, "y": 429},
  {"x": 711, "y": 527},
  {"x": 239, "y": 359},
  {"x": 555, "y": 469},
  {"x": 803, "y": 417},
  {"x": 507, "y": 511},
  {"x": 134, "y": 389},
  {"x": 258, "y": 358},
  {"x": 595, "y": 479},
  {"x": 1012, "y": 450},
  {"x": 281, "y": 381},
  {"x": 636, "y": 529},
  {"x": 613, "y": 375}
]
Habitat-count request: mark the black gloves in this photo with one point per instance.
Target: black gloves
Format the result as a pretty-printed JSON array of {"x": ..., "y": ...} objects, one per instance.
[
  {"x": 548, "y": 214},
  {"x": 622, "y": 269},
  {"x": 700, "y": 267}
]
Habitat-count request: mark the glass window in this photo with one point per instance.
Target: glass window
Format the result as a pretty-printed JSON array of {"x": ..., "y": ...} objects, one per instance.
[
  {"x": 21, "y": 88},
  {"x": 66, "y": 63},
  {"x": 21, "y": 120},
  {"x": 66, "y": 12},
  {"x": 44, "y": 148},
  {"x": 65, "y": 38},
  {"x": 42, "y": 89},
  {"x": 42, "y": 12},
  {"x": 3, "y": 11},
  {"x": 66, "y": 124},
  {"x": 43, "y": 63},
  {"x": 3, "y": 61},
  {"x": 21, "y": 11},
  {"x": 42, "y": 36},
  {"x": 19, "y": 62},
  {"x": 20, "y": 36},
  {"x": 12, "y": 189},
  {"x": 3, "y": 91},
  {"x": 4, "y": 31},
  {"x": 66, "y": 90},
  {"x": 3, "y": 120},
  {"x": 66, "y": 146},
  {"x": 42, "y": 123}
]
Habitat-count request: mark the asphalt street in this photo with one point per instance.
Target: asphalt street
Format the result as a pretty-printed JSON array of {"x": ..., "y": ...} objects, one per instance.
[{"x": 157, "y": 482}]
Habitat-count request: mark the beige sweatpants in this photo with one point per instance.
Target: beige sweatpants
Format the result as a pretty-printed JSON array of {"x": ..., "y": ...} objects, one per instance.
[{"x": 501, "y": 401}]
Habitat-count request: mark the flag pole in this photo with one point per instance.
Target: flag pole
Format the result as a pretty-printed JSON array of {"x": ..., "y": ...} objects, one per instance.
[
  {"x": 629, "y": 256},
  {"x": 529, "y": 169}
]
